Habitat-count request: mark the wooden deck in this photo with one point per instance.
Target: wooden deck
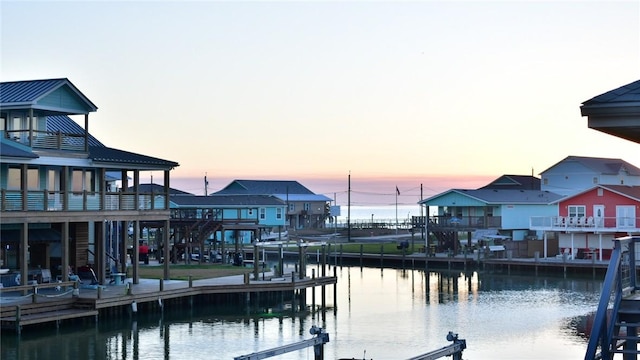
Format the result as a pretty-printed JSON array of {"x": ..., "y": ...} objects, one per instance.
[
  {"x": 49, "y": 304},
  {"x": 472, "y": 261}
]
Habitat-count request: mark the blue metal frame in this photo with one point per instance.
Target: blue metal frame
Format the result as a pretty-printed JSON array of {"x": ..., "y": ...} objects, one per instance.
[{"x": 603, "y": 329}]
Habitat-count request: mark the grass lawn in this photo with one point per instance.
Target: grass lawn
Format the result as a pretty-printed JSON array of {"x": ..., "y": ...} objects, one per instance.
[{"x": 182, "y": 272}]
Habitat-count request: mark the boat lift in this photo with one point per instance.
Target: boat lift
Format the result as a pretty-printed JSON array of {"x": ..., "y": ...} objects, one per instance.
[
  {"x": 454, "y": 350},
  {"x": 317, "y": 342}
]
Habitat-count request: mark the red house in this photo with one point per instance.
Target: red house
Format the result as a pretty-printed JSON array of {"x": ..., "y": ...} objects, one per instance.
[{"x": 589, "y": 220}]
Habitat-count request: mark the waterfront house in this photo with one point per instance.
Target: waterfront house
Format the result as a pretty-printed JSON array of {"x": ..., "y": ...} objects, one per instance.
[
  {"x": 221, "y": 220},
  {"x": 587, "y": 221},
  {"x": 502, "y": 207},
  {"x": 305, "y": 209},
  {"x": 58, "y": 209},
  {"x": 577, "y": 173}
]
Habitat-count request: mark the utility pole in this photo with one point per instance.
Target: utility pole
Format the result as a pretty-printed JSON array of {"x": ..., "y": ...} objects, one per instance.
[{"x": 349, "y": 209}]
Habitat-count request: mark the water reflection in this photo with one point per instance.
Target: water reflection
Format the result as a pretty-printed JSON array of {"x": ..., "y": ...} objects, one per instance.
[{"x": 389, "y": 313}]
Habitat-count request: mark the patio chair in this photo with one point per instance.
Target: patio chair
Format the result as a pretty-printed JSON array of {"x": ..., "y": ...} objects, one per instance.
[{"x": 590, "y": 222}]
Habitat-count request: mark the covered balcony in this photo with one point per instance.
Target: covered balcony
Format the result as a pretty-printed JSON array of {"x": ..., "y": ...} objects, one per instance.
[{"x": 585, "y": 224}]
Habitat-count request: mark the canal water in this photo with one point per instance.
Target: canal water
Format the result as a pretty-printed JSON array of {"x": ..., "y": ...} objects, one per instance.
[{"x": 379, "y": 314}]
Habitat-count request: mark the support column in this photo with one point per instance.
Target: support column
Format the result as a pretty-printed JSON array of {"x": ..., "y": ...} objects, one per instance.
[
  {"x": 165, "y": 247},
  {"x": 136, "y": 250},
  {"x": 24, "y": 254},
  {"x": 64, "y": 244},
  {"x": 572, "y": 248},
  {"x": 600, "y": 246},
  {"x": 99, "y": 250}
]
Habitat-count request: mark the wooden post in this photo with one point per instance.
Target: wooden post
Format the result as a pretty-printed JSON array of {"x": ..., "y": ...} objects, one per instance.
[{"x": 18, "y": 319}]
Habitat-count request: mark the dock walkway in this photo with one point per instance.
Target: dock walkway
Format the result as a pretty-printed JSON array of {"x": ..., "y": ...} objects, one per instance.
[{"x": 57, "y": 303}]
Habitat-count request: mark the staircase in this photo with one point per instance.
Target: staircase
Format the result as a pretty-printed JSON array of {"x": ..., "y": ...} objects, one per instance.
[{"x": 618, "y": 333}]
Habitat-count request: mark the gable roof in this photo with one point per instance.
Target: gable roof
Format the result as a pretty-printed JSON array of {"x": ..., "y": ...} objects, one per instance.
[
  {"x": 604, "y": 166},
  {"x": 500, "y": 197},
  {"x": 264, "y": 187},
  {"x": 632, "y": 192},
  {"x": 514, "y": 182},
  {"x": 48, "y": 95},
  {"x": 286, "y": 190}
]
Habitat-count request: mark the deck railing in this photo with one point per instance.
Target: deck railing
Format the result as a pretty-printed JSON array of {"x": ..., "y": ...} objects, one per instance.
[
  {"x": 43, "y": 200},
  {"x": 55, "y": 140},
  {"x": 584, "y": 223}
]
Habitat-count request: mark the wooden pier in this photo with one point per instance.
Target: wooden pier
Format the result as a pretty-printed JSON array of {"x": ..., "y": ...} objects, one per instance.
[
  {"x": 444, "y": 261},
  {"x": 52, "y": 303}
]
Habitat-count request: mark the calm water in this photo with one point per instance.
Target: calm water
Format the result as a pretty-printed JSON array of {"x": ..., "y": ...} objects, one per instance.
[{"x": 387, "y": 313}]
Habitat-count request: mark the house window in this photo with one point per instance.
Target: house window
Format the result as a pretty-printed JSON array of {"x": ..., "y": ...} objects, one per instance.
[
  {"x": 250, "y": 212},
  {"x": 82, "y": 180},
  {"x": 263, "y": 213},
  {"x": 292, "y": 207},
  {"x": 577, "y": 210},
  {"x": 307, "y": 207},
  {"x": 13, "y": 179},
  {"x": 600, "y": 192},
  {"x": 595, "y": 179},
  {"x": 33, "y": 179},
  {"x": 279, "y": 213},
  {"x": 545, "y": 181}
]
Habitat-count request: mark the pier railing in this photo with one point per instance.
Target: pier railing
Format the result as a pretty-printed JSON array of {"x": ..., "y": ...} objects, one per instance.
[{"x": 620, "y": 283}]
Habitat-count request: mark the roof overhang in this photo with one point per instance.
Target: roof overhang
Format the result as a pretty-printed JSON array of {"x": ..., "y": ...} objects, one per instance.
[{"x": 616, "y": 112}]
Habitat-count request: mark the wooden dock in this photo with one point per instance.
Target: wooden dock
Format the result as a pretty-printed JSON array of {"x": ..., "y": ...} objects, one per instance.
[
  {"x": 443, "y": 261},
  {"x": 52, "y": 303}
]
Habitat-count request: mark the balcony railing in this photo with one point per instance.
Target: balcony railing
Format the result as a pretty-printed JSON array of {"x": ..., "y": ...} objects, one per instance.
[
  {"x": 43, "y": 200},
  {"x": 457, "y": 222},
  {"x": 56, "y": 140},
  {"x": 584, "y": 224}
]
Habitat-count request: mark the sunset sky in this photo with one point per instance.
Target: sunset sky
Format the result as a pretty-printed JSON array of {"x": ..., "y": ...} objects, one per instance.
[{"x": 439, "y": 93}]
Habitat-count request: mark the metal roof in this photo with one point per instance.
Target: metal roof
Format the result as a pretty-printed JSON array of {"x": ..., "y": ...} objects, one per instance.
[
  {"x": 65, "y": 124},
  {"x": 497, "y": 197},
  {"x": 104, "y": 154},
  {"x": 302, "y": 197},
  {"x": 9, "y": 148},
  {"x": 607, "y": 166},
  {"x": 225, "y": 200},
  {"x": 264, "y": 187},
  {"x": 17, "y": 94},
  {"x": 616, "y": 112},
  {"x": 517, "y": 182},
  {"x": 158, "y": 189},
  {"x": 629, "y": 93},
  {"x": 286, "y": 190}
]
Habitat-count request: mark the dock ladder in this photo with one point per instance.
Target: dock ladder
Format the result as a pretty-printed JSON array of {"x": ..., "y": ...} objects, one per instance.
[{"x": 617, "y": 320}]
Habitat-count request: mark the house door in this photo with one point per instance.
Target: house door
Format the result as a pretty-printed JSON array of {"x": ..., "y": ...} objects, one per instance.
[
  {"x": 598, "y": 215},
  {"x": 625, "y": 216}
]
